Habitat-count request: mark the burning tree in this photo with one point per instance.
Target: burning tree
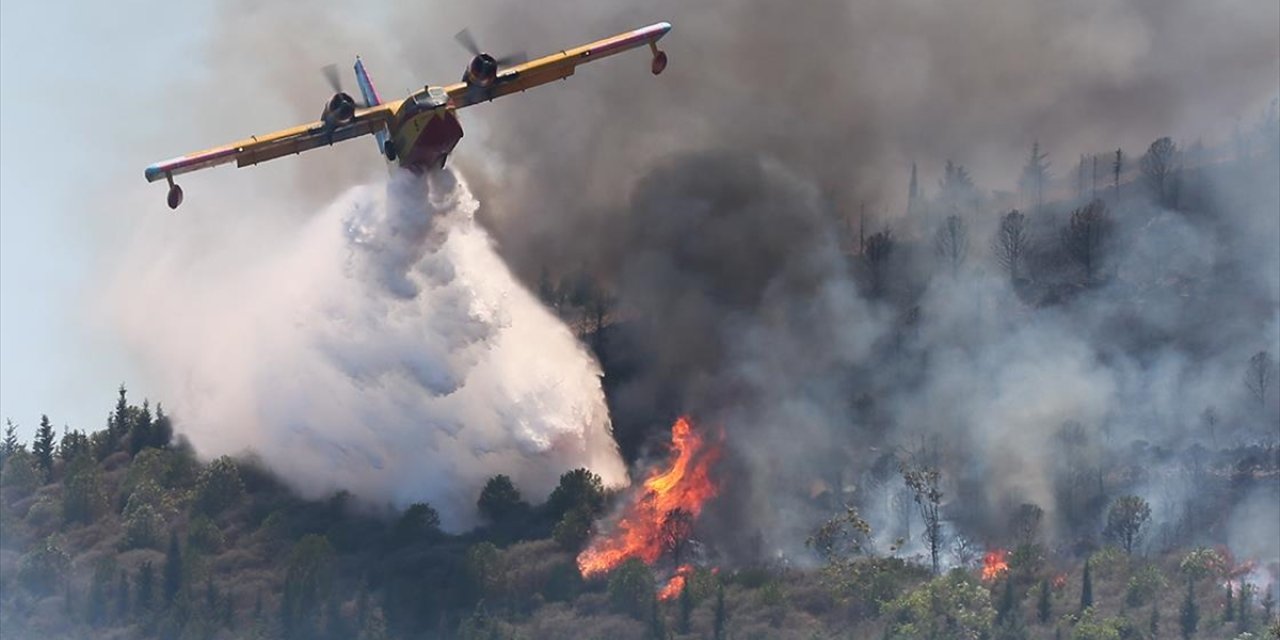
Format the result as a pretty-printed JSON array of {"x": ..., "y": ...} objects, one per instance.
[
  {"x": 660, "y": 518},
  {"x": 677, "y": 527}
]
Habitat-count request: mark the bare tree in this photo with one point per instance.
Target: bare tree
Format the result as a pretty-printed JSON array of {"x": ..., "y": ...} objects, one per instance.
[
  {"x": 1158, "y": 165},
  {"x": 1025, "y": 523},
  {"x": 1085, "y": 236},
  {"x": 925, "y": 482},
  {"x": 1035, "y": 173},
  {"x": 1010, "y": 243},
  {"x": 876, "y": 253},
  {"x": 1080, "y": 182},
  {"x": 951, "y": 241},
  {"x": 1210, "y": 420},
  {"x": 1095, "y": 177},
  {"x": 1258, "y": 374},
  {"x": 1117, "y": 166}
]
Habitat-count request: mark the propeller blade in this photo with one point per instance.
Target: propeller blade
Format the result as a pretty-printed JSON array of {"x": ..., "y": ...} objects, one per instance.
[
  {"x": 520, "y": 57},
  {"x": 331, "y": 74},
  {"x": 467, "y": 41}
]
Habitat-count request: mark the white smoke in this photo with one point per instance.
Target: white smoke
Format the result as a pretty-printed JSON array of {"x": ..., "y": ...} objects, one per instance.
[{"x": 384, "y": 348}]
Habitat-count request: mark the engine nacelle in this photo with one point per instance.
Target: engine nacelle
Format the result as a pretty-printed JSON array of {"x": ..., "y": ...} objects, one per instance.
[
  {"x": 482, "y": 71},
  {"x": 340, "y": 109}
]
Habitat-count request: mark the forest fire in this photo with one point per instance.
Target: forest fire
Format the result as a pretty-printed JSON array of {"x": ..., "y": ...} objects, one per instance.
[
  {"x": 676, "y": 584},
  {"x": 994, "y": 564},
  {"x": 658, "y": 518}
]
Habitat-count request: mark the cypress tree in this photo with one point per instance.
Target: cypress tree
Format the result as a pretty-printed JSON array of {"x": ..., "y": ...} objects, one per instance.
[
  {"x": 43, "y": 447},
  {"x": 718, "y": 624},
  {"x": 1045, "y": 606},
  {"x": 172, "y": 569},
  {"x": 1229, "y": 613},
  {"x": 145, "y": 587},
  {"x": 1190, "y": 616},
  {"x": 1086, "y": 588},
  {"x": 1155, "y": 620},
  {"x": 1005, "y": 607},
  {"x": 1246, "y": 594},
  {"x": 686, "y": 608},
  {"x": 122, "y": 596}
]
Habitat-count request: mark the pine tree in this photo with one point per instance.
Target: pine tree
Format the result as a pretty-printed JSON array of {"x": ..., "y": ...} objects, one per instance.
[
  {"x": 43, "y": 447},
  {"x": 172, "y": 569},
  {"x": 140, "y": 432},
  {"x": 161, "y": 429},
  {"x": 9, "y": 445},
  {"x": 1229, "y": 612},
  {"x": 118, "y": 423},
  {"x": 1086, "y": 588},
  {"x": 1045, "y": 606},
  {"x": 1189, "y": 615},
  {"x": 1154, "y": 625}
]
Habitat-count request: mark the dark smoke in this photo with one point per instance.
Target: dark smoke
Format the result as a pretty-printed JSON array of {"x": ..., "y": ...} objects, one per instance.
[{"x": 716, "y": 201}]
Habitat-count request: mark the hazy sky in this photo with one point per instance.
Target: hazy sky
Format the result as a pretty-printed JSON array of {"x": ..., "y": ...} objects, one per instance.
[{"x": 81, "y": 83}]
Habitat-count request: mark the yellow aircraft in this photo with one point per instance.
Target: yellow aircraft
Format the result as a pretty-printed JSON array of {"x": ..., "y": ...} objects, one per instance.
[{"x": 418, "y": 131}]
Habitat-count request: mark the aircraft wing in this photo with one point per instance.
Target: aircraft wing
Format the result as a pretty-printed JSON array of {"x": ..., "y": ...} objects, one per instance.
[
  {"x": 559, "y": 65},
  {"x": 255, "y": 149}
]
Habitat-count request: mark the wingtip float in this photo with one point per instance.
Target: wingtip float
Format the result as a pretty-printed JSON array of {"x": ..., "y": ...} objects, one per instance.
[{"x": 418, "y": 131}]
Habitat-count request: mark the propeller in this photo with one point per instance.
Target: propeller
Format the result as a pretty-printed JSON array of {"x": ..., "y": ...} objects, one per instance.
[
  {"x": 469, "y": 43},
  {"x": 331, "y": 74}
]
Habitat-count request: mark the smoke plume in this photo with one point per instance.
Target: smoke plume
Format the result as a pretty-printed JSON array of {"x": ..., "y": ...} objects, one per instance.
[{"x": 721, "y": 203}]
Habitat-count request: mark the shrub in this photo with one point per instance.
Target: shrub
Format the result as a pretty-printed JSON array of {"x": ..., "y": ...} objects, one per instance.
[
  {"x": 949, "y": 606},
  {"x": 43, "y": 569},
  {"x": 83, "y": 495},
  {"x": 142, "y": 528},
  {"x": 1143, "y": 585},
  {"x": 20, "y": 476},
  {"x": 44, "y": 513},
  {"x": 204, "y": 536},
  {"x": 631, "y": 589}
]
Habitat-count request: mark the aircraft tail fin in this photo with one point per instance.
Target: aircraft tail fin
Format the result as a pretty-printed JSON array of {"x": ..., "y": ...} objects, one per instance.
[
  {"x": 383, "y": 137},
  {"x": 366, "y": 85}
]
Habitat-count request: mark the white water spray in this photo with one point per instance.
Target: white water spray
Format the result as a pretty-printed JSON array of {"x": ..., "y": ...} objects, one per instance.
[{"x": 385, "y": 349}]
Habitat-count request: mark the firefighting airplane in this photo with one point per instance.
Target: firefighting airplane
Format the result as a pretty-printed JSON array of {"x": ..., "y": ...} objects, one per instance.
[{"x": 418, "y": 131}]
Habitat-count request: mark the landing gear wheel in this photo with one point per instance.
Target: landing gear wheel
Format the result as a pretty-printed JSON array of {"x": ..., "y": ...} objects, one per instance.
[
  {"x": 389, "y": 150},
  {"x": 175, "y": 196},
  {"x": 659, "y": 62}
]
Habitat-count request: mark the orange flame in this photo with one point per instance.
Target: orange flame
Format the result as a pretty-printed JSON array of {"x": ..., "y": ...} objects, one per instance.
[
  {"x": 676, "y": 584},
  {"x": 685, "y": 485},
  {"x": 1060, "y": 581},
  {"x": 994, "y": 564}
]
